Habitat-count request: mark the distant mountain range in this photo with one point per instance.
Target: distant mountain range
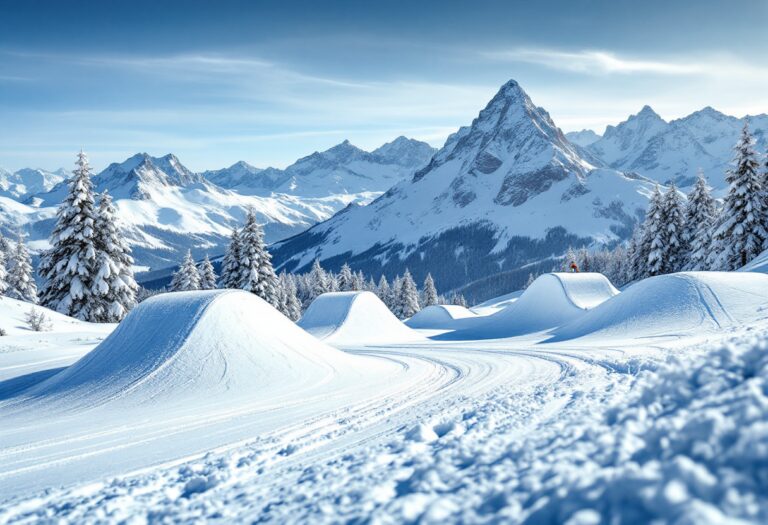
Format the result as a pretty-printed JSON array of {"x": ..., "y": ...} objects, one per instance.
[
  {"x": 501, "y": 198},
  {"x": 165, "y": 208},
  {"x": 673, "y": 151},
  {"x": 509, "y": 191}
]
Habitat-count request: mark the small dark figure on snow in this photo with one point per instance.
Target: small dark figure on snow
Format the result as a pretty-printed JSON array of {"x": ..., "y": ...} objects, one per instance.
[{"x": 574, "y": 267}]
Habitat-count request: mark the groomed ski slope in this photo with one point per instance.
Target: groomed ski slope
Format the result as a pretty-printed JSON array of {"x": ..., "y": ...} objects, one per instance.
[
  {"x": 509, "y": 430},
  {"x": 552, "y": 300},
  {"x": 354, "y": 318},
  {"x": 183, "y": 373}
]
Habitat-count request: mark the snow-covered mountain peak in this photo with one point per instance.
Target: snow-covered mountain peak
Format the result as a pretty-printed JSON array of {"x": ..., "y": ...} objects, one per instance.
[
  {"x": 27, "y": 181},
  {"x": 405, "y": 152},
  {"x": 516, "y": 141},
  {"x": 582, "y": 138},
  {"x": 506, "y": 191}
]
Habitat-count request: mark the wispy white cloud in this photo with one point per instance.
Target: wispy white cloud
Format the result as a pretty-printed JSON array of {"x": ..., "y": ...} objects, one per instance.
[
  {"x": 592, "y": 61},
  {"x": 602, "y": 62}
]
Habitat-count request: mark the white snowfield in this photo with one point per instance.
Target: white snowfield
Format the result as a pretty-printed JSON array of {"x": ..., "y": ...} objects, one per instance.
[
  {"x": 440, "y": 316},
  {"x": 230, "y": 413},
  {"x": 355, "y": 318},
  {"x": 552, "y": 300}
]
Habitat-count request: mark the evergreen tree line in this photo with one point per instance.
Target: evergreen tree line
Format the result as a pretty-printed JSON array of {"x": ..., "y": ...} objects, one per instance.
[
  {"x": 402, "y": 295},
  {"x": 247, "y": 265},
  {"x": 701, "y": 234},
  {"x": 87, "y": 273}
]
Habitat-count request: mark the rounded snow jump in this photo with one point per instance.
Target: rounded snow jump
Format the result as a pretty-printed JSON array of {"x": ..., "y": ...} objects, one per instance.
[
  {"x": 552, "y": 300},
  {"x": 440, "y": 317},
  {"x": 194, "y": 345},
  {"x": 354, "y": 318},
  {"x": 674, "y": 305}
]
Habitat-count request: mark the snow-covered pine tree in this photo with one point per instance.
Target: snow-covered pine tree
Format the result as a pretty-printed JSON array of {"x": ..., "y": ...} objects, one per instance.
[
  {"x": 741, "y": 232},
  {"x": 207, "y": 274},
  {"x": 459, "y": 300},
  {"x": 384, "y": 292},
  {"x": 345, "y": 280},
  {"x": 700, "y": 216},
  {"x": 290, "y": 304},
  {"x": 408, "y": 297},
  {"x": 21, "y": 281},
  {"x": 5, "y": 246},
  {"x": 256, "y": 272},
  {"x": 674, "y": 223},
  {"x": 649, "y": 249},
  {"x": 114, "y": 286},
  {"x": 358, "y": 281},
  {"x": 584, "y": 260},
  {"x": 429, "y": 292},
  {"x": 3, "y": 273},
  {"x": 319, "y": 282},
  {"x": 230, "y": 265},
  {"x": 394, "y": 293},
  {"x": 69, "y": 266},
  {"x": 186, "y": 278},
  {"x": 570, "y": 257}
]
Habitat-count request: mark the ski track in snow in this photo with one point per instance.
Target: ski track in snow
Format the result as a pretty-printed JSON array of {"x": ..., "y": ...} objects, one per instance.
[{"x": 280, "y": 474}]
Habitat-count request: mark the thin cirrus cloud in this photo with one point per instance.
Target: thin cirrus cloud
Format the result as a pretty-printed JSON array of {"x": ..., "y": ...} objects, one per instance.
[{"x": 599, "y": 62}]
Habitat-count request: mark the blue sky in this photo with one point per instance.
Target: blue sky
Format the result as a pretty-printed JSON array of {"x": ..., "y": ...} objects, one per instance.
[{"x": 268, "y": 82}]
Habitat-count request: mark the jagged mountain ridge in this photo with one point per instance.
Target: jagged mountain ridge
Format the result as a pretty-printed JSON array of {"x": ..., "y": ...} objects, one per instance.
[
  {"x": 26, "y": 182},
  {"x": 344, "y": 168},
  {"x": 165, "y": 208},
  {"x": 674, "y": 151},
  {"x": 506, "y": 191},
  {"x": 582, "y": 138}
]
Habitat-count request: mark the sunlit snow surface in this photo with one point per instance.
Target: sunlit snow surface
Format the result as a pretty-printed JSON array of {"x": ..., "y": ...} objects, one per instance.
[{"x": 669, "y": 421}]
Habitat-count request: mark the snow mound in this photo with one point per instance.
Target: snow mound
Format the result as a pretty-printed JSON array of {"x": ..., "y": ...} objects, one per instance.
[
  {"x": 13, "y": 312},
  {"x": 552, "y": 300},
  {"x": 352, "y": 318},
  {"x": 674, "y": 305},
  {"x": 190, "y": 345},
  {"x": 440, "y": 316}
]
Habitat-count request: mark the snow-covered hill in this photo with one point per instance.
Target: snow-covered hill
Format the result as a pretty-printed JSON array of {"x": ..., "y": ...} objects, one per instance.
[
  {"x": 674, "y": 151},
  {"x": 165, "y": 208},
  {"x": 506, "y": 191}
]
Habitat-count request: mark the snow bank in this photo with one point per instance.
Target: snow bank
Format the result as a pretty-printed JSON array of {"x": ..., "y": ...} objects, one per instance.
[
  {"x": 352, "y": 318},
  {"x": 440, "y": 316},
  {"x": 689, "y": 445},
  {"x": 13, "y": 311},
  {"x": 675, "y": 305},
  {"x": 184, "y": 345},
  {"x": 552, "y": 300}
]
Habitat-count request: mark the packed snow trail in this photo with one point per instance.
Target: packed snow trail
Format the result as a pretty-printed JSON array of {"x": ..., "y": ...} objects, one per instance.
[{"x": 415, "y": 415}]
